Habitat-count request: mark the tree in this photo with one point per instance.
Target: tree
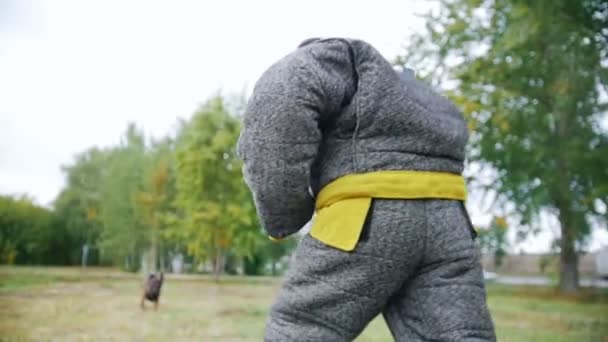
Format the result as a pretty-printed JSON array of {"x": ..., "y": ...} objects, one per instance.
[
  {"x": 120, "y": 199},
  {"x": 123, "y": 236},
  {"x": 78, "y": 205},
  {"x": 216, "y": 211},
  {"x": 155, "y": 202},
  {"x": 528, "y": 76},
  {"x": 26, "y": 232}
]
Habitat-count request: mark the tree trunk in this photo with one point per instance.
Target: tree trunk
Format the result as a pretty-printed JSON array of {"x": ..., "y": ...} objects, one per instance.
[
  {"x": 217, "y": 269},
  {"x": 85, "y": 255},
  {"x": 568, "y": 270},
  {"x": 274, "y": 267},
  {"x": 161, "y": 257},
  {"x": 154, "y": 254},
  {"x": 568, "y": 275}
]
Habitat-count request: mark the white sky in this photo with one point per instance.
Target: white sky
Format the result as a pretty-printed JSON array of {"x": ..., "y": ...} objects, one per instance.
[{"x": 74, "y": 73}]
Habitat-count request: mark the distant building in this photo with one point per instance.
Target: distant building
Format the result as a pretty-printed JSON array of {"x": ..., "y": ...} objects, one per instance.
[
  {"x": 601, "y": 262},
  {"x": 590, "y": 264}
]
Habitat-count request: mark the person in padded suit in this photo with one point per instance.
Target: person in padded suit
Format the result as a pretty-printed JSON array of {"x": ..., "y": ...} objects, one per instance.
[{"x": 333, "y": 130}]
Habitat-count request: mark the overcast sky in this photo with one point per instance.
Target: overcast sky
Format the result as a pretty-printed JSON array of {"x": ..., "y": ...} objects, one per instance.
[{"x": 74, "y": 73}]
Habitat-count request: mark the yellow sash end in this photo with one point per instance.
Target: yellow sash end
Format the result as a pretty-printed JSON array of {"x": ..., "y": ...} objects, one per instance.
[{"x": 340, "y": 224}]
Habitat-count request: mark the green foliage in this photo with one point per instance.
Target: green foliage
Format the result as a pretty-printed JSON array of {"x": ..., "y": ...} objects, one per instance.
[
  {"x": 116, "y": 200},
  {"x": 217, "y": 213},
  {"x": 78, "y": 206},
  {"x": 122, "y": 234},
  {"x": 26, "y": 232},
  {"x": 528, "y": 78},
  {"x": 155, "y": 202}
]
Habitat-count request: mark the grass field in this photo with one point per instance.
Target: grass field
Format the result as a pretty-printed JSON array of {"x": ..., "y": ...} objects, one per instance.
[{"x": 63, "y": 304}]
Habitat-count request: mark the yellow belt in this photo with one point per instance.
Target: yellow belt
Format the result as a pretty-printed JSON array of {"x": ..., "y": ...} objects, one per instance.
[{"x": 343, "y": 204}]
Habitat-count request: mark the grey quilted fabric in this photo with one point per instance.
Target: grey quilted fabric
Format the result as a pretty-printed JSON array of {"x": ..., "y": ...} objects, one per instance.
[
  {"x": 416, "y": 264},
  {"x": 335, "y": 107}
]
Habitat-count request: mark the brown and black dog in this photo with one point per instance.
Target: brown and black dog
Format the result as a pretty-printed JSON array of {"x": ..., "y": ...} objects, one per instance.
[{"x": 151, "y": 290}]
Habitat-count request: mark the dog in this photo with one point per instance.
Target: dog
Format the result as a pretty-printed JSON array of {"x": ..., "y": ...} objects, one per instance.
[{"x": 151, "y": 290}]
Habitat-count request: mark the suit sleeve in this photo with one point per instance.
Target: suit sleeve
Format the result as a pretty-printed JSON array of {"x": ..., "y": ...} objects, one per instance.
[{"x": 281, "y": 136}]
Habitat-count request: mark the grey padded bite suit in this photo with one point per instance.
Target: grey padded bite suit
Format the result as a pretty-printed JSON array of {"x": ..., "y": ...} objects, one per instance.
[{"x": 335, "y": 107}]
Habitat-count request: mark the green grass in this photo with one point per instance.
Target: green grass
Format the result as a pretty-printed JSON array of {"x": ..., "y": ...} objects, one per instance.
[{"x": 69, "y": 304}]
